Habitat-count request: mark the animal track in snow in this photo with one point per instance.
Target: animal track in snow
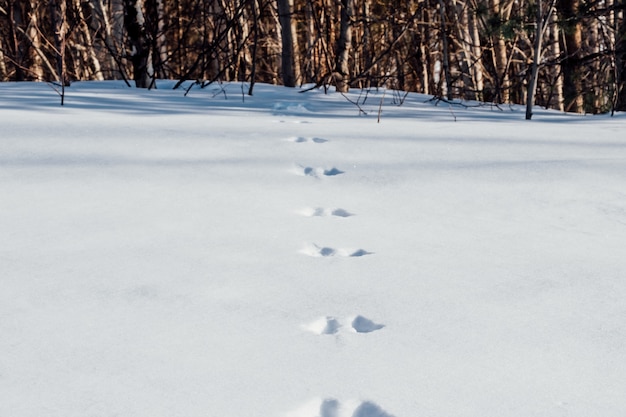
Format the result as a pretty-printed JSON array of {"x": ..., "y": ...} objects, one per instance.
[
  {"x": 318, "y": 172},
  {"x": 323, "y": 325},
  {"x": 325, "y": 251},
  {"x": 302, "y": 139},
  {"x": 362, "y": 324},
  {"x": 369, "y": 409},
  {"x": 331, "y": 325},
  {"x": 331, "y": 407},
  {"x": 323, "y": 212}
]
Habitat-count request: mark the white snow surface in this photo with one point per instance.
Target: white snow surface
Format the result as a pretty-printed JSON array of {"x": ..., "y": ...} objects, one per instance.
[{"x": 286, "y": 255}]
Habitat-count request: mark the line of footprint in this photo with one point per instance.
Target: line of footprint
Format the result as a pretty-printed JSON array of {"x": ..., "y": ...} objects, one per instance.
[
  {"x": 330, "y": 325},
  {"x": 314, "y": 249},
  {"x": 331, "y": 407}
]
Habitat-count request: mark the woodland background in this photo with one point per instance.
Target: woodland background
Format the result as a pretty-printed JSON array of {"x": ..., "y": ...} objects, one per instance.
[{"x": 568, "y": 55}]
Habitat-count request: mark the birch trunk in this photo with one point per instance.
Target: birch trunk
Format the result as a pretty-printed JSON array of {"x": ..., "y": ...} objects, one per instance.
[
  {"x": 445, "y": 57},
  {"x": 140, "y": 54},
  {"x": 161, "y": 40},
  {"x": 344, "y": 45},
  {"x": 36, "y": 56},
  {"x": 555, "y": 52},
  {"x": 476, "y": 56},
  {"x": 3, "y": 67}
]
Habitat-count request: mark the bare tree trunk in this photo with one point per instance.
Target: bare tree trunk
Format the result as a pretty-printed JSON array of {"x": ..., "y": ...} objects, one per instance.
[
  {"x": 297, "y": 55},
  {"x": 477, "y": 56},
  {"x": 58, "y": 11},
  {"x": 464, "y": 43},
  {"x": 58, "y": 18},
  {"x": 367, "y": 40},
  {"x": 445, "y": 57},
  {"x": 344, "y": 45},
  {"x": 3, "y": 67},
  {"x": 620, "y": 62},
  {"x": 572, "y": 83},
  {"x": 427, "y": 66},
  {"x": 229, "y": 45},
  {"x": 287, "y": 41},
  {"x": 214, "y": 63},
  {"x": 161, "y": 40},
  {"x": 555, "y": 51},
  {"x": 19, "y": 48},
  {"x": 140, "y": 54},
  {"x": 500, "y": 55},
  {"x": 311, "y": 56},
  {"x": 255, "y": 43},
  {"x": 532, "y": 82},
  {"x": 36, "y": 56},
  {"x": 591, "y": 46},
  {"x": 542, "y": 22}
]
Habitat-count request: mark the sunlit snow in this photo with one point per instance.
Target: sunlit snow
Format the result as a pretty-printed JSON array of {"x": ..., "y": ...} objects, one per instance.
[{"x": 286, "y": 254}]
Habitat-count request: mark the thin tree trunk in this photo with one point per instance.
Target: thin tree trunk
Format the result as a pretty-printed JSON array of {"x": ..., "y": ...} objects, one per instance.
[
  {"x": 214, "y": 62},
  {"x": 591, "y": 45},
  {"x": 367, "y": 41},
  {"x": 445, "y": 53},
  {"x": 16, "y": 21},
  {"x": 344, "y": 45},
  {"x": 620, "y": 62},
  {"x": 36, "y": 56},
  {"x": 161, "y": 40},
  {"x": 555, "y": 51},
  {"x": 287, "y": 42},
  {"x": 500, "y": 56},
  {"x": 57, "y": 17},
  {"x": 572, "y": 83},
  {"x": 477, "y": 56},
  {"x": 425, "y": 43},
  {"x": 3, "y": 67},
  {"x": 464, "y": 43},
  {"x": 255, "y": 43},
  {"x": 297, "y": 53},
  {"x": 244, "y": 62},
  {"x": 140, "y": 54},
  {"x": 541, "y": 25},
  {"x": 311, "y": 56}
]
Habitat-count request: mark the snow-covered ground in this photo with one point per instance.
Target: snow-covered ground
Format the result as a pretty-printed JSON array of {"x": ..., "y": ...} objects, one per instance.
[{"x": 286, "y": 255}]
